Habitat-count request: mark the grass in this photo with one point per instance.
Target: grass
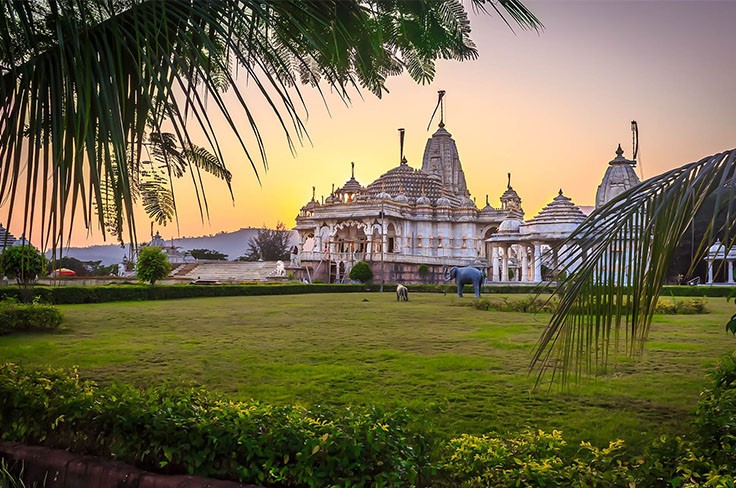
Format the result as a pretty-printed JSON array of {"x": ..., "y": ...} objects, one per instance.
[{"x": 462, "y": 369}]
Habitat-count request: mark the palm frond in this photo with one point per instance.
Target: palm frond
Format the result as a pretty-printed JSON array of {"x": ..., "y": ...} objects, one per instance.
[
  {"x": 616, "y": 264},
  {"x": 83, "y": 84}
]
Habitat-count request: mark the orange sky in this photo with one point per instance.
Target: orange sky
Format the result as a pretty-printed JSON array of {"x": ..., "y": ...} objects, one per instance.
[{"x": 550, "y": 108}]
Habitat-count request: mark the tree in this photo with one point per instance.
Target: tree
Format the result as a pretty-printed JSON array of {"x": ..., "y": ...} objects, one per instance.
[
  {"x": 269, "y": 245},
  {"x": 87, "y": 86},
  {"x": 209, "y": 254},
  {"x": 24, "y": 264},
  {"x": 361, "y": 271},
  {"x": 624, "y": 250},
  {"x": 152, "y": 264}
]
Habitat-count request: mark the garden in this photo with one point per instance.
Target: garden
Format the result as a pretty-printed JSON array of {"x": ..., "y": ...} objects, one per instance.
[{"x": 445, "y": 383}]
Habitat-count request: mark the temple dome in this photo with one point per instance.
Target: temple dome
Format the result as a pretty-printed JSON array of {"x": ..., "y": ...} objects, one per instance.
[
  {"x": 383, "y": 196},
  {"x": 619, "y": 177},
  {"x": 401, "y": 198},
  {"x": 510, "y": 225},
  {"x": 351, "y": 186},
  {"x": 413, "y": 183},
  {"x": 559, "y": 217}
]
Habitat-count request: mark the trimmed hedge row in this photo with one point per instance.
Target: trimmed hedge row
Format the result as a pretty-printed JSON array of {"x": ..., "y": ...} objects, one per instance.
[
  {"x": 112, "y": 293},
  {"x": 16, "y": 316}
]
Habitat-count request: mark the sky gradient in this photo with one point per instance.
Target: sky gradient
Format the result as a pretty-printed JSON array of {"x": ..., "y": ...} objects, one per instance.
[{"x": 549, "y": 107}]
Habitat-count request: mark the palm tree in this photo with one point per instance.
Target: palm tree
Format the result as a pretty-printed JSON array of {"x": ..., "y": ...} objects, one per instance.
[
  {"x": 86, "y": 85},
  {"x": 620, "y": 256}
]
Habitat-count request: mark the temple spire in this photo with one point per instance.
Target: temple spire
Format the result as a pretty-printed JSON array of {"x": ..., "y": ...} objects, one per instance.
[
  {"x": 440, "y": 105},
  {"x": 402, "y": 159},
  {"x": 352, "y": 170},
  {"x": 508, "y": 185},
  {"x": 314, "y": 189}
]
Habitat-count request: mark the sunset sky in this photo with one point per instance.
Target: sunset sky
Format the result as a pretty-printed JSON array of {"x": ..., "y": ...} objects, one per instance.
[{"x": 549, "y": 107}]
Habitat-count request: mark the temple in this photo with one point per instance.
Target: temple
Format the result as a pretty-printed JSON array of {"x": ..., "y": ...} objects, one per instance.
[{"x": 410, "y": 224}]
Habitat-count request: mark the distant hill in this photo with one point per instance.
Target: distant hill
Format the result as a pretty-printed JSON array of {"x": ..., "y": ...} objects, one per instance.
[{"x": 233, "y": 244}]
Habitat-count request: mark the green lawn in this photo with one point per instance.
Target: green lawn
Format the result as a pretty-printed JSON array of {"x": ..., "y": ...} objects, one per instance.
[{"x": 464, "y": 370}]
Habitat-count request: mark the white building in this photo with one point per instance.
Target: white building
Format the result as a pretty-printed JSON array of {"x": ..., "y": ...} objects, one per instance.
[{"x": 409, "y": 224}]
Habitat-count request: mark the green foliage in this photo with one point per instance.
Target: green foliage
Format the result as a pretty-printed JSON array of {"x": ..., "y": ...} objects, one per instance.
[
  {"x": 208, "y": 254},
  {"x": 535, "y": 304},
  {"x": 9, "y": 479},
  {"x": 361, "y": 271},
  {"x": 152, "y": 265},
  {"x": 16, "y": 316},
  {"x": 115, "y": 293},
  {"x": 269, "y": 245},
  {"x": 82, "y": 268},
  {"x": 178, "y": 430},
  {"x": 22, "y": 263},
  {"x": 716, "y": 412},
  {"x": 541, "y": 459}
]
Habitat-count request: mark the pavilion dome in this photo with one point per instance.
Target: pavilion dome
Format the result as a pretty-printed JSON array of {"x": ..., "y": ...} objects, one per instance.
[
  {"x": 559, "y": 217},
  {"x": 510, "y": 225},
  {"x": 351, "y": 186},
  {"x": 383, "y": 196},
  {"x": 619, "y": 177},
  {"x": 716, "y": 248}
]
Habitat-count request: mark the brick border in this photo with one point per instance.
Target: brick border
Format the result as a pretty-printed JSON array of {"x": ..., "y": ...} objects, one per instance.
[{"x": 61, "y": 469}]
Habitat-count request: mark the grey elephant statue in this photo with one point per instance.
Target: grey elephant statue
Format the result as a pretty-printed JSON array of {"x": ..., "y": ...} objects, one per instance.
[{"x": 466, "y": 276}]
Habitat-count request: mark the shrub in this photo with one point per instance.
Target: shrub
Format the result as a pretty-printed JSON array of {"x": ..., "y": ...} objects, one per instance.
[
  {"x": 16, "y": 316},
  {"x": 690, "y": 306},
  {"x": 716, "y": 412},
  {"x": 152, "y": 265},
  {"x": 361, "y": 271},
  {"x": 24, "y": 264},
  {"x": 178, "y": 430}
]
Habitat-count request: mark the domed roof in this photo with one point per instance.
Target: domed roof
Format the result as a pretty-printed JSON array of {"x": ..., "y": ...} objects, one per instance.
[
  {"x": 423, "y": 200},
  {"x": 411, "y": 182},
  {"x": 510, "y": 225},
  {"x": 619, "y": 177},
  {"x": 443, "y": 201},
  {"x": 352, "y": 185},
  {"x": 558, "y": 218},
  {"x": 401, "y": 198},
  {"x": 716, "y": 248},
  {"x": 383, "y": 196},
  {"x": 510, "y": 200}
]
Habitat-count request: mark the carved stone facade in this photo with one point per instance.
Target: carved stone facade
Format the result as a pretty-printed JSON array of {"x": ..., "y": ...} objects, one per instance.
[{"x": 410, "y": 224}]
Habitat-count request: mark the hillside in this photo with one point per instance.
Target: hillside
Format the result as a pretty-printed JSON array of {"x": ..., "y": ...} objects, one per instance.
[{"x": 234, "y": 244}]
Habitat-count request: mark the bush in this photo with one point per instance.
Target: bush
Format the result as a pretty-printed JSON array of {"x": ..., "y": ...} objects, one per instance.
[
  {"x": 361, "y": 271},
  {"x": 24, "y": 264},
  {"x": 16, "y": 316},
  {"x": 716, "y": 412},
  {"x": 177, "y": 430},
  {"x": 152, "y": 265},
  {"x": 113, "y": 293}
]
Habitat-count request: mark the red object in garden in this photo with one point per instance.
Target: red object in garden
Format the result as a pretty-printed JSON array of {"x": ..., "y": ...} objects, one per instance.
[{"x": 62, "y": 272}]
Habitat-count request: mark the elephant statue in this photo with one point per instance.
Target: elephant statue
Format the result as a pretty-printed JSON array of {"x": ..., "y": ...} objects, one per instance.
[{"x": 465, "y": 276}]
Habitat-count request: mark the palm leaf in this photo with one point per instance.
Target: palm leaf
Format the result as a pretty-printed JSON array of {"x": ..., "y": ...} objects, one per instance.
[
  {"x": 616, "y": 263},
  {"x": 82, "y": 83}
]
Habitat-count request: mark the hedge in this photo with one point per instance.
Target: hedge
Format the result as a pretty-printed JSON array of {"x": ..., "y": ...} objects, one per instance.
[
  {"x": 178, "y": 430},
  {"x": 16, "y": 316},
  {"x": 111, "y": 293},
  {"x": 184, "y": 430}
]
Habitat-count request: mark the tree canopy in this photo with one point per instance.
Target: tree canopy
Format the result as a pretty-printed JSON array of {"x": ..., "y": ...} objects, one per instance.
[
  {"x": 152, "y": 265},
  {"x": 208, "y": 254},
  {"x": 99, "y": 98},
  {"x": 269, "y": 245}
]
